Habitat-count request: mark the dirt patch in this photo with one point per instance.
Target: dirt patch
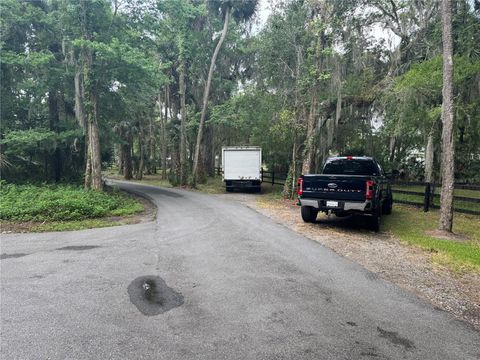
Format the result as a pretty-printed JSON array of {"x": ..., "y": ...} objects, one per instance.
[
  {"x": 149, "y": 212},
  {"x": 444, "y": 235},
  {"x": 409, "y": 267}
]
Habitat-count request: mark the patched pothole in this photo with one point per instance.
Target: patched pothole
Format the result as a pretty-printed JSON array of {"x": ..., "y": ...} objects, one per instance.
[{"x": 152, "y": 296}]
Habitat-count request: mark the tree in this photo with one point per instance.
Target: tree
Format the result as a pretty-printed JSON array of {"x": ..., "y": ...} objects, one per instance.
[
  {"x": 241, "y": 11},
  {"x": 448, "y": 147}
]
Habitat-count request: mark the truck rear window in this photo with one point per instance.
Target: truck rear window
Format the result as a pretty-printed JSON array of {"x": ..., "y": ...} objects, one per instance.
[{"x": 350, "y": 167}]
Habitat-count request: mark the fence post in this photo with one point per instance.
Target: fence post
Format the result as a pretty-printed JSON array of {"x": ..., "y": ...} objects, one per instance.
[
  {"x": 426, "y": 200},
  {"x": 273, "y": 177}
]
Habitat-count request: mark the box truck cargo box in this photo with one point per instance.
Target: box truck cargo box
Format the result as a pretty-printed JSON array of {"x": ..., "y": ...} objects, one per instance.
[{"x": 242, "y": 167}]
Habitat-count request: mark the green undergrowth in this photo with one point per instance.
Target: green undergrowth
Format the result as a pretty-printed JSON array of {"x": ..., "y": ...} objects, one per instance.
[
  {"x": 60, "y": 203},
  {"x": 412, "y": 226}
]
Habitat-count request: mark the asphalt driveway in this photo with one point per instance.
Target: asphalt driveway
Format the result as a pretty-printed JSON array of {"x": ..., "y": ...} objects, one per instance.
[{"x": 209, "y": 279}]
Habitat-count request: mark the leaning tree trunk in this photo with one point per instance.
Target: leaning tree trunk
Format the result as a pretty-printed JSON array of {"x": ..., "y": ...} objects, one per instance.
[
  {"x": 448, "y": 148},
  {"x": 205, "y": 96}
]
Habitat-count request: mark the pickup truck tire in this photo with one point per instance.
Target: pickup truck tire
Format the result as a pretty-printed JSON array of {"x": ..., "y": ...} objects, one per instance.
[
  {"x": 374, "y": 220},
  {"x": 309, "y": 214},
  {"x": 387, "y": 206}
]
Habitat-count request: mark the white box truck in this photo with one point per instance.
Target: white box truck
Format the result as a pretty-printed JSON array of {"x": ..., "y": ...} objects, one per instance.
[{"x": 242, "y": 167}]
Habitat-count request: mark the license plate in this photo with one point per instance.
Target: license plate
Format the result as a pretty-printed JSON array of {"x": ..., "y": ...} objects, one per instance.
[{"x": 332, "y": 203}]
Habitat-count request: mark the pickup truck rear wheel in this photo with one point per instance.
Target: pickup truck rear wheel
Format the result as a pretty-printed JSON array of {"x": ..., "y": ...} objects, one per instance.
[
  {"x": 387, "y": 206},
  {"x": 309, "y": 213},
  {"x": 374, "y": 220}
]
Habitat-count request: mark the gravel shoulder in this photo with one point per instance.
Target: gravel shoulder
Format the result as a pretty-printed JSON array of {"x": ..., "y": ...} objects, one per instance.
[{"x": 409, "y": 267}]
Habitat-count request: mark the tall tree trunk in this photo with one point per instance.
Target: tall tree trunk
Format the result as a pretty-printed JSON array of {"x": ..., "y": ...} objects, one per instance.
[
  {"x": 448, "y": 148},
  {"x": 183, "y": 125},
  {"x": 152, "y": 169},
  {"x": 338, "y": 114},
  {"x": 79, "y": 98},
  {"x": 206, "y": 94},
  {"x": 127, "y": 160},
  {"x": 141, "y": 164},
  {"x": 94, "y": 144},
  {"x": 88, "y": 163},
  {"x": 141, "y": 145},
  {"x": 164, "y": 134},
  {"x": 429, "y": 156},
  {"x": 121, "y": 159},
  {"x": 309, "y": 141},
  {"x": 93, "y": 169},
  {"x": 209, "y": 162}
]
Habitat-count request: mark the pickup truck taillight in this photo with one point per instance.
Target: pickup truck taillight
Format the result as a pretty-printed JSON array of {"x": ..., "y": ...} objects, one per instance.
[
  {"x": 369, "y": 191},
  {"x": 300, "y": 186}
]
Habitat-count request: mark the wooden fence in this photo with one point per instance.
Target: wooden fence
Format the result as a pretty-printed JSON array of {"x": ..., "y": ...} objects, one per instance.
[{"x": 466, "y": 197}]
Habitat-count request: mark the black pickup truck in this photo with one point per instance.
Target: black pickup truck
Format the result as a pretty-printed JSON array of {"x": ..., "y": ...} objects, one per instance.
[{"x": 347, "y": 185}]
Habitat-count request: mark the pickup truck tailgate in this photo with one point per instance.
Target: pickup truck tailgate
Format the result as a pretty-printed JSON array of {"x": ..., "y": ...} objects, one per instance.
[{"x": 335, "y": 187}]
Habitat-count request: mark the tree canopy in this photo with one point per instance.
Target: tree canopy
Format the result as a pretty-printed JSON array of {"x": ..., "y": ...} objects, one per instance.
[{"x": 163, "y": 85}]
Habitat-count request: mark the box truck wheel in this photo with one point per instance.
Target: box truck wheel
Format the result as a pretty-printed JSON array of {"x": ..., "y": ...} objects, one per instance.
[{"x": 309, "y": 213}]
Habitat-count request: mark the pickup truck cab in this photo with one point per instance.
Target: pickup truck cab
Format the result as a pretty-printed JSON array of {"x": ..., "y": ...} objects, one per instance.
[{"x": 347, "y": 185}]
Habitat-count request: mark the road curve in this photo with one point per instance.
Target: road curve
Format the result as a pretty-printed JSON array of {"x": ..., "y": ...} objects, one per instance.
[{"x": 209, "y": 279}]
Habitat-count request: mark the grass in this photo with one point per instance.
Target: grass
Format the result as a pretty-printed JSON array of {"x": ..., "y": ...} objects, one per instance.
[
  {"x": 62, "y": 207},
  {"x": 411, "y": 225}
]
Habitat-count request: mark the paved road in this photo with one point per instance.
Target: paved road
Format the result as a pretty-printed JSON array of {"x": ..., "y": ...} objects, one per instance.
[{"x": 210, "y": 279}]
